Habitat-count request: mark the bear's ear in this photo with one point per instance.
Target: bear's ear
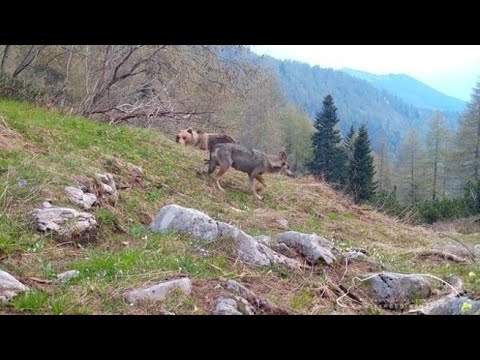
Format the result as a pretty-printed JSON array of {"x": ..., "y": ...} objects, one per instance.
[{"x": 190, "y": 130}]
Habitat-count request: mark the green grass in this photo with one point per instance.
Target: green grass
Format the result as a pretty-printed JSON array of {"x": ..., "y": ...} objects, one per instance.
[{"x": 302, "y": 300}]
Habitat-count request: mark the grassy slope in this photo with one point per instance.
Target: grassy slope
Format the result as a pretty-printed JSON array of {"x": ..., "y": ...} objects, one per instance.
[{"x": 49, "y": 150}]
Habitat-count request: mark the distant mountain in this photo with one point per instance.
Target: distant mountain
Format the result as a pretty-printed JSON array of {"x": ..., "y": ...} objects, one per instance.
[
  {"x": 410, "y": 90},
  {"x": 387, "y": 116}
]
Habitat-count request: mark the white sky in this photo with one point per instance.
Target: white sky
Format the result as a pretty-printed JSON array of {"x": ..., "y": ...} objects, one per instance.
[{"x": 451, "y": 69}]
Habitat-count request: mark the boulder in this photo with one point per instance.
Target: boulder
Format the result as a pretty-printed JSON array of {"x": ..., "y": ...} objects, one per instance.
[
  {"x": 315, "y": 248},
  {"x": 159, "y": 291},
  {"x": 395, "y": 291},
  {"x": 63, "y": 221},
  {"x": 9, "y": 287},
  {"x": 77, "y": 196},
  {"x": 186, "y": 221}
]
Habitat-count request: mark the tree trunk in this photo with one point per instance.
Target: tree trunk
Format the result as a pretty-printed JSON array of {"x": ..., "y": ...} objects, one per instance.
[{"x": 6, "y": 52}]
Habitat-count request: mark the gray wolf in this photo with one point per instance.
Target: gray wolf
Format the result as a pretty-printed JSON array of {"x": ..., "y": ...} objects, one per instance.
[
  {"x": 253, "y": 162},
  {"x": 202, "y": 140}
]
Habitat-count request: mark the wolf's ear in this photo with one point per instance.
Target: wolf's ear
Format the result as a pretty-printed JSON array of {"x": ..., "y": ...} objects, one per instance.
[
  {"x": 190, "y": 130},
  {"x": 283, "y": 155}
]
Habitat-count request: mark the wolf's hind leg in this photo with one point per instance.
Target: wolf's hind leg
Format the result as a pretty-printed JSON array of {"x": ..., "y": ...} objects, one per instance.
[
  {"x": 260, "y": 179},
  {"x": 220, "y": 173}
]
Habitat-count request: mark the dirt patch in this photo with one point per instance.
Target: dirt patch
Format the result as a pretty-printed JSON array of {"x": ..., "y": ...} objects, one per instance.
[
  {"x": 75, "y": 238},
  {"x": 12, "y": 140},
  {"x": 9, "y": 139},
  {"x": 127, "y": 175}
]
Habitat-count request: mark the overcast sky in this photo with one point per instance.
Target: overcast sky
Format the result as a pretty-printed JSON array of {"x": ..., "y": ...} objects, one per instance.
[{"x": 451, "y": 69}]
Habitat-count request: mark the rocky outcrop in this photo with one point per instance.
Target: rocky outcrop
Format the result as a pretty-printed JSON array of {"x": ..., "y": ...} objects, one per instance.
[
  {"x": 203, "y": 227},
  {"x": 9, "y": 287},
  {"x": 456, "y": 306},
  {"x": 186, "y": 221},
  {"x": 397, "y": 291},
  {"x": 159, "y": 291},
  {"x": 253, "y": 252},
  {"x": 261, "y": 304},
  {"x": 106, "y": 185},
  {"x": 315, "y": 248},
  {"x": 77, "y": 196},
  {"x": 233, "y": 306},
  {"x": 67, "y": 275},
  {"x": 476, "y": 251},
  {"x": 63, "y": 221}
]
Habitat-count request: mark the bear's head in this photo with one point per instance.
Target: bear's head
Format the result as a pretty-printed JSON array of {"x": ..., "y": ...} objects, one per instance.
[{"x": 186, "y": 136}]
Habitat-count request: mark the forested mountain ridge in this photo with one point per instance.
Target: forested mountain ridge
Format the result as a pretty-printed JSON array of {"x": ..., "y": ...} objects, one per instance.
[
  {"x": 387, "y": 117},
  {"x": 410, "y": 90}
]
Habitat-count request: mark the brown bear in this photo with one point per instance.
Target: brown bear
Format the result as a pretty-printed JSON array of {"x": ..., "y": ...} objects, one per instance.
[{"x": 202, "y": 140}]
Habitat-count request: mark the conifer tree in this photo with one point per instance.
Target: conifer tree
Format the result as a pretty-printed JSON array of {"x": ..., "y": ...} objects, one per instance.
[
  {"x": 362, "y": 169},
  {"x": 329, "y": 157}
]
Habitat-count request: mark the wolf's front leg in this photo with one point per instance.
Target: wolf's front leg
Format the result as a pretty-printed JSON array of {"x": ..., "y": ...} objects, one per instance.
[{"x": 251, "y": 185}]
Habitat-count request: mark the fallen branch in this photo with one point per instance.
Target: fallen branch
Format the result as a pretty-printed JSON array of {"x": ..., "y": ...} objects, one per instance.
[
  {"x": 439, "y": 253},
  {"x": 41, "y": 281},
  {"x": 461, "y": 243}
]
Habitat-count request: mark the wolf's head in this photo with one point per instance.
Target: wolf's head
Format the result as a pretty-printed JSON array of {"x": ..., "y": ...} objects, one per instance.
[{"x": 279, "y": 163}]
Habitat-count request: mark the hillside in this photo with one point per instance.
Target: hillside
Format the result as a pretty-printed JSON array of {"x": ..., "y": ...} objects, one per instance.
[
  {"x": 42, "y": 152},
  {"x": 387, "y": 116},
  {"x": 410, "y": 90}
]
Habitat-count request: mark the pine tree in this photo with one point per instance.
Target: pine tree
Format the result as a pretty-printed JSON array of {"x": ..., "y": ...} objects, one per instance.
[
  {"x": 362, "y": 169},
  {"x": 349, "y": 147},
  {"x": 329, "y": 157}
]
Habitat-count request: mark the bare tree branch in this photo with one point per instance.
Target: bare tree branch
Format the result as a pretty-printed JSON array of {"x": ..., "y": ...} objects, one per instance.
[{"x": 32, "y": 53}]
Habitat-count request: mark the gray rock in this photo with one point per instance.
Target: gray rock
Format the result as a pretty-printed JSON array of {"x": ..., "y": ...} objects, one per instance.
[
  {"x": 239, "y": 288},
  {"x": 63, "y": 221},
  {"x": 354, "y": 255},
  {"x": 264, "y": 239},
  {"x": 446, "y": 294},
  {"x": 226, "y": 306},
  {"x": 261, "y": 303},
  {"x": 456, "y": 250},
  {"x": 251, "y": 251},
  {"x": 312, "y": 246},
  {"x": 244, "y": 306},
  {"x": 9, "y": 287},
  {"x": 158, "y": 292},
  {"x": 227, "y": 231},
  {"x": 283, "y": 223},
  {"x": 107, "y": 184},
  {"x": 77, "y": 196},
  {"x": 394, "y": 291},
  {"x": 454, "y": 307},
  {"x": 285, "y": 250},
  {"x": 476, "y": 251},
  {"x": 67, "y": 275},
  {"x": 47, "y": 204},
  {"x": 235, "y": 306},
  {"x": 186, "y": 221}
]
